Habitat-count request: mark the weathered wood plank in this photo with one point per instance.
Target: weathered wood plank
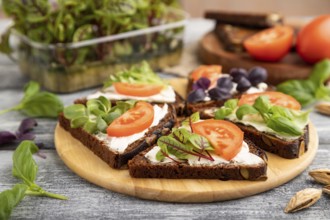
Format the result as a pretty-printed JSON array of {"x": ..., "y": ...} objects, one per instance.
[{"x": 90, "y": 201}]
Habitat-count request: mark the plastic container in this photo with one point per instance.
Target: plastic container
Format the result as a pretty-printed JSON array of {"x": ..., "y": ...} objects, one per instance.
[{"x": 75, "y": 66}]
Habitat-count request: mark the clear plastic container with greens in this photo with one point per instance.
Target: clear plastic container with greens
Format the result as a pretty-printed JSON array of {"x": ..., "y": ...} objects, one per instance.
[{"x": 74, "y": 66}]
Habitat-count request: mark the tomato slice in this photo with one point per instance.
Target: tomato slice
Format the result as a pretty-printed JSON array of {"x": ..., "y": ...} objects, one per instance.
[
  {"x": 142, "y": 90},
  {"x": 276, "y": 98},
  {"x": 133, "y": 121},
  {"x": 211, "y": 72},
  {"x": 271, "y": 44},
  {"x": 225, "y": 137}
]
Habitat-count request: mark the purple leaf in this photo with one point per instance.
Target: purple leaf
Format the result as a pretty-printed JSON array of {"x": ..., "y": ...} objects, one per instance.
[
  {"x": 6, "y": 137},
  {"x": 26, "y": 136},
  {"x": 202, "y": 83},
  {"x": 27, "y": 125}
]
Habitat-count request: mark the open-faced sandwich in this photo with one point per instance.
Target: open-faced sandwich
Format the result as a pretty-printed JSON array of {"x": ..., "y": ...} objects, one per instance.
[
  {"x": 116, "y": 133},
  {"x": 201, "y": 149},
  {"x": 272, "y": 120},
  {"x": 208, "y": 88},
  {"x": 140, "y": 82}
]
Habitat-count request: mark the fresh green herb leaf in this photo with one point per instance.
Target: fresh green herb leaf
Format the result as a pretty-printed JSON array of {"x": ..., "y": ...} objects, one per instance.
[
  {"x": 200, "y": 142},
  {"x": 283, "y": 125},
  {"x": 74, "y": 111},
  {"x": 24, "y": 167},
  {"x": 172, "y": 146},
  {"x": 312, "y": 89},
  {"x": 231, "y": 103},
  {"x": 10, "y": 198},
  {"x": 160, "y": 156},
  {"x": 245, "y": 110},
  {"x": 97, "y": 114},
  {"x": 262, "y": 104},
  {"x": 136, "y": 74},
  {"x": 222, "y": 113},
  {"x": 275, "y": 117},
  {"x": 228, "y": 108},
  {"x": 192, "y": 119},
  {"x": 181, "y": 135},
  {"x": 36, "y": 103}
]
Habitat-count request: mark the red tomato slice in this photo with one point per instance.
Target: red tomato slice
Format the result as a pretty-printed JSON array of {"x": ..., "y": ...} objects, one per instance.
[
  {"x": 142, "y": 90},
  {"x": 271, "y": 44},
  {"x": 225, "y": 137},
  {"x": 133, "y": 121},
  {"x": 211, "y": 72},
  {"x": 276, "y": 98}
]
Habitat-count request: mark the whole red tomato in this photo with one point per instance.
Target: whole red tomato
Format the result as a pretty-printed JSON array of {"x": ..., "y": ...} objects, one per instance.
[{"x": 313, "y": 42}]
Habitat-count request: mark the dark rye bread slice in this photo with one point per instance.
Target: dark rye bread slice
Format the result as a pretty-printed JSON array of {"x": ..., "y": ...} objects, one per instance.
[
  {"x": 283, "y": 148},
  {"x": 141, "y": 167},
  {"x": 179, "y": 103},
  {"x": 115, "y": 159}
]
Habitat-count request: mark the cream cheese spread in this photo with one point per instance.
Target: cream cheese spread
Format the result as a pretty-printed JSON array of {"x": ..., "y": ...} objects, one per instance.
[
  {"x": 167, "y": 95},
  {"x": 119, "y": 144},
  {"x": 243, "y": 157}
]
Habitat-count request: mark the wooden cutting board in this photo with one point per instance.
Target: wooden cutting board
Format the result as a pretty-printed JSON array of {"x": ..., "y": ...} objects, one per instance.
[
  {"x": 291, "y": 67},
  {"x": 84, "y": 163}
]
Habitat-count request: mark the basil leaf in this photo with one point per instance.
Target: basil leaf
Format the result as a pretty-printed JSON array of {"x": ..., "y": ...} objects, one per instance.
[
  {"x": 302, "y": 90},
  {"x": 24, "y": 167},
  {"x": 245, "y": 110},
  {"x": 320, "y": 72},
  {"x": 30, "y": 89},
  {"x": 262, "y": 104},
  {"x": 223, "y": 112},
  {"x": 231, "y": 103},
  {"x": 283, "y": 125},
  {"x": 312, "y": 89},
  {"x": 42, "y": 104},
  {"x": 10, "y": 198}
]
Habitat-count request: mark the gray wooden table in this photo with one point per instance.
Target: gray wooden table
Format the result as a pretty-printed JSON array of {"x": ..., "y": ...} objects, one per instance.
[{"x": 88, "y": 201}]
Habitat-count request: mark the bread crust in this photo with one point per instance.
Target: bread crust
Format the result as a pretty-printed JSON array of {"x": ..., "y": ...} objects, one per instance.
[
  {"x": 286, "y": 149},
  {"x": 141, "y": 167},
  {"x": 115, "y": 159}
]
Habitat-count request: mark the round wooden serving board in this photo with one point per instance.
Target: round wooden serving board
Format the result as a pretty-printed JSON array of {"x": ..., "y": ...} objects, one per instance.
[
  {"x": 291, "y": 66},
  {"x": 83, "y": 162}
]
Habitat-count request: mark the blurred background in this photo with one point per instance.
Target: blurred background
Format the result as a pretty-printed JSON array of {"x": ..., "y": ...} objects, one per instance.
[{"x": 196, "y": 8}]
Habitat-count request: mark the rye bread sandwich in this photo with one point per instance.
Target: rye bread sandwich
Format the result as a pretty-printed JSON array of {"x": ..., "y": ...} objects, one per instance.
[
  {"x": 271, "y": 120},
  {"x": 201, "y": 149},
  {"x": 139, "y": 82},
  {"x": 117, "y": 133},
  {"x": 209, "y": 88}
]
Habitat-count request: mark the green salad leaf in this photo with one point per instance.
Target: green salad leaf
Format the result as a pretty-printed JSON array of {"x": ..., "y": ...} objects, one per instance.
[
  {"x": 183, "y": 143},
  {"x": 140, "y": 73},
  {"x": 97, "y": 114},
  {"x": 36, "y": 103},
  {"x": 228, "y": 108},
  {"x": 280, "y": 119},
  {"x": 312, "y": 89}
]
